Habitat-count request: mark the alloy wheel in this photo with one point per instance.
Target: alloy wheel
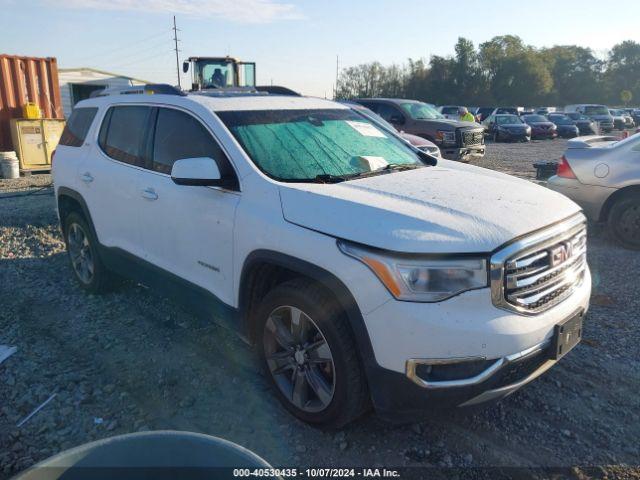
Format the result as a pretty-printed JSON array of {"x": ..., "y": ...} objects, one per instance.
[
  {"x": 299, "y": 359},
  {"x": 80, "y": 253}
]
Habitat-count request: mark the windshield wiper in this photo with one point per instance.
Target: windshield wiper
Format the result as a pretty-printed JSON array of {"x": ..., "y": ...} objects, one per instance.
[
  {"x": 399, "y": 167},
  {"x": 396, "y": 167}
]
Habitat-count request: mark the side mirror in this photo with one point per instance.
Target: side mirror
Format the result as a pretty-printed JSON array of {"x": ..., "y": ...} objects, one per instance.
[
  {"x": 396, "y": 119},
  {"x": 185, "y": 66},
  {"x": 200, "y": 171}
]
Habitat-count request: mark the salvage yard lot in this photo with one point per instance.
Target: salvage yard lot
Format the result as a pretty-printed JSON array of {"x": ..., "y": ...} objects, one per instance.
[{"x": 131, "y": 361}]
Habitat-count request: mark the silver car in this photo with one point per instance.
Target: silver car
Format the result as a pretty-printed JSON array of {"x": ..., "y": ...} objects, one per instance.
[{"x": 602, "y": 175}]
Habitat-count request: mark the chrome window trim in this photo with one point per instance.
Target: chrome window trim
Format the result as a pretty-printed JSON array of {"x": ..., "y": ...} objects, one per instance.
[{"x": 527, "y": 245}]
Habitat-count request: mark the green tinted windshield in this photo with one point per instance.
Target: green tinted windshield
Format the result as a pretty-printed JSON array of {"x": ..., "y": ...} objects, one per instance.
[
  {"x": 300, "y": 145},
  {"x": 421, "y": 111}
]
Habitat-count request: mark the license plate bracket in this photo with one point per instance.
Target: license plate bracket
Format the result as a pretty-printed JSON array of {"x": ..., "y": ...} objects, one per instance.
[{"x": 567, "y": 335}]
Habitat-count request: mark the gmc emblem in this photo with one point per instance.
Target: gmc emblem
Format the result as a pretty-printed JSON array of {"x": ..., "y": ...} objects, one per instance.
[{"x": 560, "y": 253}]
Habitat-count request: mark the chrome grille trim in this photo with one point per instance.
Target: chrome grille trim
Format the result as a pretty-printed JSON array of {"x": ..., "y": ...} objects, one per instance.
[{"x": 523, "y": 276}]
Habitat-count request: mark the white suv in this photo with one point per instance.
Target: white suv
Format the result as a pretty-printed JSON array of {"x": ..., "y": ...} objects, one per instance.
[{"x": 365, "y": 272}]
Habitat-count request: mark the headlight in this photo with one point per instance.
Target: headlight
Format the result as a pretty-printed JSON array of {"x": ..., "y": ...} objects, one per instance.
[
  {"x": 435, "y": 151},
  {"x": 418, "y": 278},
  {"x": 446, "y": 137}
]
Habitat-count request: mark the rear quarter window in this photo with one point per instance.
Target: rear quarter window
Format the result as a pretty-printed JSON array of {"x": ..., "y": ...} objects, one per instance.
[{"x": 77, "y": 127}]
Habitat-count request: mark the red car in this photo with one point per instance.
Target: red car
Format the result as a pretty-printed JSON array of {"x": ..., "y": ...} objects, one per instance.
[{"x": 541, "y": 127}]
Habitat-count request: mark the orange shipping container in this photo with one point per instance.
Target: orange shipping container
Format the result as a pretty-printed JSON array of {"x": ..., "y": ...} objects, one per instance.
[{"x": 23, "y": 80}]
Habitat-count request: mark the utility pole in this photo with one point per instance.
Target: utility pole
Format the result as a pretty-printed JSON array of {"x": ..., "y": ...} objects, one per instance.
[
  {"x": 175, "y": 39},
  {"x": 335, "y": 89}
]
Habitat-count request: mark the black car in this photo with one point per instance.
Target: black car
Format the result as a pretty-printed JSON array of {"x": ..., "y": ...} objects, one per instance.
[
  {"x": 567, "y": 128},
  {"x": 585, "y": 125},
  {"x": 507, "y": 127},
  {"x": 541, "y": 127}
]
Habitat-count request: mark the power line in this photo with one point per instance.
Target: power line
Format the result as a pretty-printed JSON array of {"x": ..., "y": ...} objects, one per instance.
[{"x": 129, "y": 44}]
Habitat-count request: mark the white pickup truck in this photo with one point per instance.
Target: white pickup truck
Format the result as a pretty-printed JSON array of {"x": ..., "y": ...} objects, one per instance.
[{"x": 365, "y": 272}]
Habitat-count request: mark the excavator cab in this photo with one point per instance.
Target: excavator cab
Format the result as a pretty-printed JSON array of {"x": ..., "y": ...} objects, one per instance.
[{"x": 220, "y": 72}]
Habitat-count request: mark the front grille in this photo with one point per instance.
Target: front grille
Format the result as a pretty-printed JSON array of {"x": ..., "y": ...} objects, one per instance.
[
  {"x": 542, "y": 275},
  {"x": 472, "y": 137},
  {"x": 520, "y": 369}
]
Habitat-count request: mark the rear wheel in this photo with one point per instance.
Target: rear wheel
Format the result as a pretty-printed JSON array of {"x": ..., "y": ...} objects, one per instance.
[
  {"x": 309, "y": 355},
  {"x": 82, "y": 247},
  {"x": 624, "y": 221}
]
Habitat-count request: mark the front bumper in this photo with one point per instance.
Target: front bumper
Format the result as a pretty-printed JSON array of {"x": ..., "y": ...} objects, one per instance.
[
  {"x": 513, "y": 347},
  {"x": 462, "y": 153}
]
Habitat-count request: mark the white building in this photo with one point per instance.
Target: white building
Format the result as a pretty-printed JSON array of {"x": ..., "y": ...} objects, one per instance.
[{"x": 78, "y": 83}]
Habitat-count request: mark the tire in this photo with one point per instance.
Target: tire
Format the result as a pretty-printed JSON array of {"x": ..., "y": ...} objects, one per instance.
[
  {"x": 86, "y": 264},
  {"x": 496, "y": 137},
  {"x": 624, "y": 221},
  {"x": 330, "y": 394}
]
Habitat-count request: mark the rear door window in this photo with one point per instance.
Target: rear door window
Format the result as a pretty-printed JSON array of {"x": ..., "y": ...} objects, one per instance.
[
  {"x": 123, "y": 133},
  {"x": 389, "y": 113},
  {"x": 178, "y": 136},
  {"x": 77, "y": 127}
]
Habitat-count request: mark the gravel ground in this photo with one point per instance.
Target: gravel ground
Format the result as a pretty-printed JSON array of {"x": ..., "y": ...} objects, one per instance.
[{"x": 132, "y": 361}]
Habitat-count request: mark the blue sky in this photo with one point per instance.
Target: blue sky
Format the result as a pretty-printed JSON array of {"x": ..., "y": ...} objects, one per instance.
[{"x": 294, "y": 43}]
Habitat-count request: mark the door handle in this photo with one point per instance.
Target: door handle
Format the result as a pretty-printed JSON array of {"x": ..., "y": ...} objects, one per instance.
[
  {"x": 149, "y": 193},
  {"x": 86, "y": 177}
]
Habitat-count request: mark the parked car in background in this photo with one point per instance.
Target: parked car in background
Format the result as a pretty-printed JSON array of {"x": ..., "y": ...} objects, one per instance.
[
  {"x": 596, "y": 112},
  {"x": 482, "y": 113},
  {"x": 567, "y": 128},
  {"x": 418, "y": 142},
  {"x": 621, "y": 118},
  {"x": 510, "y": 110},
  {"x": 452, "y": 112},
  {"x": 506, "y": 127},
  {"x": 603, "y": 177},
  {"x": 457, "y": 140},
  {"x": 541, "y": 127},
  {"x": 585, "y": 124},
  {"x": 367, "y": 274},
  {"x": 635, "y": 114},
  {"x": 618, "y": 119}
]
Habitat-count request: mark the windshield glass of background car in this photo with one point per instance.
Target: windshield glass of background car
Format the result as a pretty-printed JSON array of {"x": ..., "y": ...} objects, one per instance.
[
  {"x": 596, "y": 110},
  {"x": 507, "y": 119},
  {"x": 299, "y": 145},
  {"x": 535, "y": 118},
  {"x": 561, "y": 120},
  {"x": 421, "y": 111}
]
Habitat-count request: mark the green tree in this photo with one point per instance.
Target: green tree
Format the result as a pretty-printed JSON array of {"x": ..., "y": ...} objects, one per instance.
[{"x": 626, "y": 96}]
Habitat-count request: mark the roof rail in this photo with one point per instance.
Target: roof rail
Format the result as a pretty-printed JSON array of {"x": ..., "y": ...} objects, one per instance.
[
  {"x": 149, "y": 89},
  {"x": 278, "y": 90}
]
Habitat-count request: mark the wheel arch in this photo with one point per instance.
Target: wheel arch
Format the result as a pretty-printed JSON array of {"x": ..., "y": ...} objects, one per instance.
[
  {"x": 264, "y": 269},
  {"x": 68, "y": 201},
  {"x": 615, "y": 197}
]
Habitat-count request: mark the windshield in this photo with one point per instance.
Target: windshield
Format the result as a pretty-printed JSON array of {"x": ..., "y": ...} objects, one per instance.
[
  {"x": 421, "y": 111},
  {"x": 507, "y": 119},
  {"x": 596, "y": 110},
  {"x": 535, "y": 118},
  {"x": 214, "y": 73},
  {"x": 308, "y": 145},
  {"x": 561, "y": 120}
]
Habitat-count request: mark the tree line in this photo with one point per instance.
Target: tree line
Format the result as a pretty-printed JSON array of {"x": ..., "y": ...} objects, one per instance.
[{"x": 504, "y": 71}]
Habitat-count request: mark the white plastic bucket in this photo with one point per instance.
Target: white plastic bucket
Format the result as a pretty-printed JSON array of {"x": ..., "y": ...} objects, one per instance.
[{"x": 9, "y": 165}]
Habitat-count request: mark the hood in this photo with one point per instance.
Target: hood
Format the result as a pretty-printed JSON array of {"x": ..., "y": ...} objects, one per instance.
[
  {"x": 601, "y": 117},
  {"x": 450, "y": 208},
  {"x": 446, "y": 124}
]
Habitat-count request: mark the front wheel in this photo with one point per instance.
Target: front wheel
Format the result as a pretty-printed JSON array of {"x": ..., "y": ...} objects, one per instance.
[
  {"x": 309, "y": 355},
  {"x": 624, "y": 221}
]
